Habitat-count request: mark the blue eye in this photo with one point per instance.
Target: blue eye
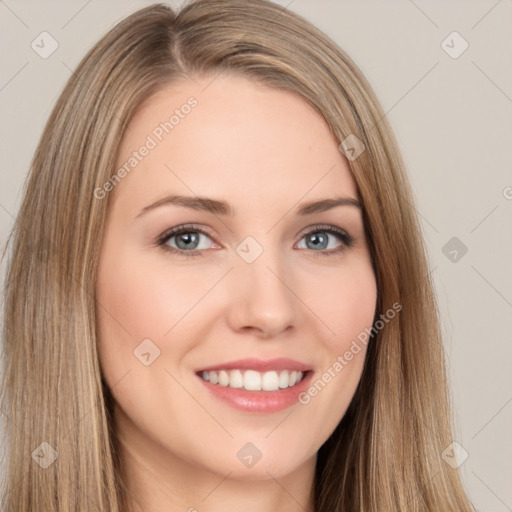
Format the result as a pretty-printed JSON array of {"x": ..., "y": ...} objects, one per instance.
[
  {"x": 187, "y": 240},
  {"x": 319, "y": 238}
]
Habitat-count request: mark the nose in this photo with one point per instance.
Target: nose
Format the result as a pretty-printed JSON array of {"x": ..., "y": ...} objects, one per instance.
[{"x": 261, "y": 298}]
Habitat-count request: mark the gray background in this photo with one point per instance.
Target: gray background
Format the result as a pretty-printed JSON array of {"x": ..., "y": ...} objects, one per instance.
[{"x": 452, "y": 118}]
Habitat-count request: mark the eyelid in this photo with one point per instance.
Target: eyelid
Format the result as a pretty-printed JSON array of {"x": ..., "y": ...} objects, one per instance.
[{"x": 322, "y": 227}]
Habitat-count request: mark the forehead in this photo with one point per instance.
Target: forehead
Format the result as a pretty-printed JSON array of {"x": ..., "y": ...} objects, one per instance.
[{"x": 230, "y": 137}]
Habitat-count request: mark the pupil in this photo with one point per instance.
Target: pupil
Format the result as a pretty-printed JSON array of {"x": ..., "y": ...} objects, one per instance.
[
  {"x": 317, "y": 237},
  {"x": 190, "y": 237}
]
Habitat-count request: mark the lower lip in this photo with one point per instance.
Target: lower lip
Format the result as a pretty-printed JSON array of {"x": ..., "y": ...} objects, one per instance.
[{"x": 259, "y": 401}]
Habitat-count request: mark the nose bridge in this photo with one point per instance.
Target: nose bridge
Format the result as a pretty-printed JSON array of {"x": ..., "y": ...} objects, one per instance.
[{"x": 262, "y": 298}]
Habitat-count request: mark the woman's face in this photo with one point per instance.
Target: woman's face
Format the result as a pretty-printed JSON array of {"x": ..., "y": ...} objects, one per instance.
[{"x": 254, "y": 287}]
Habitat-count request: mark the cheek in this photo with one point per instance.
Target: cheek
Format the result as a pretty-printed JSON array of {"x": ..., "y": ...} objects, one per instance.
[
  {"x": 143, "y": 299},
  {"x": 345, "y": 301},
  {"x": 346, "y": 304},
  {"x": 139, "y": 298}
]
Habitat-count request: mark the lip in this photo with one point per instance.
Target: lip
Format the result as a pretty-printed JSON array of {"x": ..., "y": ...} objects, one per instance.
[
  {"x": 260, "y": 365},
  {"x": 264, "y": 402}
]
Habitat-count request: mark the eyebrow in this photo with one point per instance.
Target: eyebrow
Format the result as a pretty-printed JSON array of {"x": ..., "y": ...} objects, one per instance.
[{"x": 223, "y": 208}]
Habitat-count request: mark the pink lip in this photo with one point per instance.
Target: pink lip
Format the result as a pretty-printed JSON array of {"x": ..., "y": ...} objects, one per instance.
[
  {"x": 259, "y": 401},
  {"x": 260, "y": 365}
]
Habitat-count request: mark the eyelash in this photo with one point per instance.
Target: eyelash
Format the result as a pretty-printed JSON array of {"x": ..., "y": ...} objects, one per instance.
[{"x": 346, "y": 239}]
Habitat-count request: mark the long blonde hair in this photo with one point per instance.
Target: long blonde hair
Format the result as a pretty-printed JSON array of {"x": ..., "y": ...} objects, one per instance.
[{"x": 385, "y": 454}]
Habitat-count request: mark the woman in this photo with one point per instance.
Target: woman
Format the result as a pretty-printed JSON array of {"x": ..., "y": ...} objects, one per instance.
[{"x": 255, "y": 370}]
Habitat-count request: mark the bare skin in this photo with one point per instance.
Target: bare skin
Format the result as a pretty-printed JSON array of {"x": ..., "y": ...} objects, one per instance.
[{"x": 265, "y": 152}]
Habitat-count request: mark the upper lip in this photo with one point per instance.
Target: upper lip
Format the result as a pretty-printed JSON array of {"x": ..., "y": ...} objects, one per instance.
[{"x": 261, "y": 365}]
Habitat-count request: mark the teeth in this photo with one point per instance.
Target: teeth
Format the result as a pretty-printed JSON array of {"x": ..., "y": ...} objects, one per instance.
[
  {"x": 236, "y": 379},
  {"x": 252, "y": 380},
  {"x": 223, "y": 378},
  {"x": 270, "y": 381}
]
